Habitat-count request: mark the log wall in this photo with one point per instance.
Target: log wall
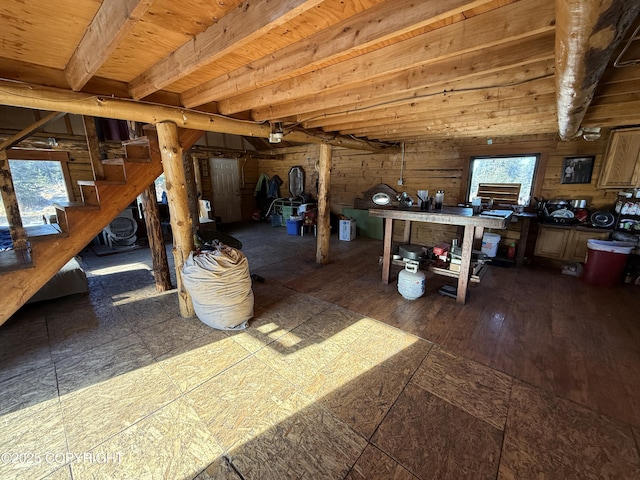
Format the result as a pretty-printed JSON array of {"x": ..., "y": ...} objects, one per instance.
[
  {"x": 249, "y": 172},
  {"x": 440, "y": 166}
]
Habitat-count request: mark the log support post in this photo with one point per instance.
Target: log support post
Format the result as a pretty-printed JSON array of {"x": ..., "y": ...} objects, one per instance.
[
  {"x": 151, "y": 213},
  {"x": 178, "y": 199},
  {"x": 16, "y": 230},
  {"x": 192, "y": 192},
  {"x": 324, "y": 205},
  {"x": 156, "y": 241}
]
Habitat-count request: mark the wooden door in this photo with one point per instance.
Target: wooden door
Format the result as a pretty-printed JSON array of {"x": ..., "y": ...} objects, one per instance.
[
  {"x": 577, "y": 247},
  {"x": 621, "y": 168},
  {"x": 225, "y": 182},
  {"x": 551, "y": 242}
]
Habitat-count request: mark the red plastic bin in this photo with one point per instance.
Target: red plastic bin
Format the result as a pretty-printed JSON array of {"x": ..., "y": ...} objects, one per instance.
[{"x": 605, "y": 262}]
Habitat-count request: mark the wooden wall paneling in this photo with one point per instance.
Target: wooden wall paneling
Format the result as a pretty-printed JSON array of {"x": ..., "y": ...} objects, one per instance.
[
  {"x": 552, "y": 186},
  {"x": 443, "y": 164},
  {"x": 249, "y": 174},
  {"x": 304, "y": 157}
]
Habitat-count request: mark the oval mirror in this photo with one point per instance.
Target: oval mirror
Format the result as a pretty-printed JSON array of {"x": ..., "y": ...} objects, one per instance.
[{"x": 381, "y": 198}]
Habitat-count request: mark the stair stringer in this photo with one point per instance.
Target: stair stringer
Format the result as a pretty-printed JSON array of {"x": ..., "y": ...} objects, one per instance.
[{"x": 50, "y": 255}]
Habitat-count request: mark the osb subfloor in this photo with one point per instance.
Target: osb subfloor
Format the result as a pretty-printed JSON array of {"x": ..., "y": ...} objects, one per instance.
[{"x": 337, "y": 376}]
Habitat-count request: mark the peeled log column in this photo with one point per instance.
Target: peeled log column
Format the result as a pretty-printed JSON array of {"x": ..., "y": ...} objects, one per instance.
[
  {"x": 324, "y": 221},
  {"x": 18, "y": 234},
  {"x": 45, "y": 98},
  {"x": 181, "y": 222},
  {"x": 587, "y": 33},
  {"x": 156, "y": 241}
]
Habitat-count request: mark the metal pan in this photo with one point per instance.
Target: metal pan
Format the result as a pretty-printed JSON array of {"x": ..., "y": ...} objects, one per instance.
[{"x": 603, "y": 219}]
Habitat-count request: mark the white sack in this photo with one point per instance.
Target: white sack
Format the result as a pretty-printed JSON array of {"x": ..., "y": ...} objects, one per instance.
[{"x": 219, "y": 283}]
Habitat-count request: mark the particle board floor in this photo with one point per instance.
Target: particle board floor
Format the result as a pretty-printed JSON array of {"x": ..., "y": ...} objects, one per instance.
[{"x": 337, "y": 376}]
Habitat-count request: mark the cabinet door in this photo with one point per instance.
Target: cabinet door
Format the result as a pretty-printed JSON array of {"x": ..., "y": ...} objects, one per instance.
[
  {"x": 551, "y": 242},
  {"x": 576, "y": 250},
  {"x": 621, "y": 167}
]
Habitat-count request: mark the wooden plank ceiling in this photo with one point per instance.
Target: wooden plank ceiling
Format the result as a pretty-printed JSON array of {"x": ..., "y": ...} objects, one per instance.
[{"x": 385, "y": 70}]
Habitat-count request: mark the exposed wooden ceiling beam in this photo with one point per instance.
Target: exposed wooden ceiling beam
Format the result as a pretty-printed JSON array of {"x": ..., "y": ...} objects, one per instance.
[
  {"x": 587, "y": 33},
  {"x": 246, "y": 23},
  {"x": 438, "y": 103},
  {"x": 113, "y": 21},
  {"x": 473, "y": 114},
  {"x": 534, "y": 125},
  {"x": 380, "y": 23},
  {"x": 41, "y": 98},
  {"x": 509, "y": 23},
  {"x": 52, "y": 77},
  {"x": 502, "y": 64},
  {"x": 31, "y": 129}
]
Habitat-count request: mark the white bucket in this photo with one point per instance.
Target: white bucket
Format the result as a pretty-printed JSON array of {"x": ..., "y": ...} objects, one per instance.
[{"x": 490, "y": 243}]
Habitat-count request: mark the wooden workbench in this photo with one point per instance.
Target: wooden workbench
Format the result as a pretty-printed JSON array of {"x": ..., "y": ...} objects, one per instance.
[{"x": 474, "y": 226}]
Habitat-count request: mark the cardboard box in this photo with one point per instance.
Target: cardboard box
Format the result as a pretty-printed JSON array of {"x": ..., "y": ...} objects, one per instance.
[{"x": 347, "y": 229}]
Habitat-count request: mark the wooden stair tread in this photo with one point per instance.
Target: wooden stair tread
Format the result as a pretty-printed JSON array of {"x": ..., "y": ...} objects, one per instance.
[
  {"x": 56, "y": 243},
  {"x": 123, "y": 160},
  {"x": 136, "y": 141},
  {"x": 101, "y": 182},
  {"x": 11, "y": 260},
  {"x": 113, "y": 161},
  {"x": 138, "y": 159},
  {"x": 76, "y": 206},
  {"x": 44, "y": 231}
]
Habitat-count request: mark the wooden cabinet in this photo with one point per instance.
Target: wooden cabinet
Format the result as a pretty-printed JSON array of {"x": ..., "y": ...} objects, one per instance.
[
  {"x": 551, "y": 242},
  {"x": 565, "y": 243},
  {"x": 621, "y": 167},
  {"x": 576, "y": 249}
]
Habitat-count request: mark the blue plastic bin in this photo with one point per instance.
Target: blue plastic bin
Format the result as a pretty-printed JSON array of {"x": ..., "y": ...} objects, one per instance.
[
  {"x": 293, "y": 227},
  {"x": 276, "y": 220}
]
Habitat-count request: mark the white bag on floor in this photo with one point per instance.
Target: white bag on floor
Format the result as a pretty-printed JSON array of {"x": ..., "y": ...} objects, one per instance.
[{"x": 219, "y": 283}]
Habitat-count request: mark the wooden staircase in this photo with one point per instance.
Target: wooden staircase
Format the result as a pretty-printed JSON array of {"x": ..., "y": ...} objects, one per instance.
[{"x": 51, "y": 247}]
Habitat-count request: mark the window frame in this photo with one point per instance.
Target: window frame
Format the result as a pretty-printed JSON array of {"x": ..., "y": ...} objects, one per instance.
[
  {"x": 540, "y": 149},
  {"x": 62, "y": 157},
  {"x": 47, "y": 155},
  {"x": 490, "y": 157}
]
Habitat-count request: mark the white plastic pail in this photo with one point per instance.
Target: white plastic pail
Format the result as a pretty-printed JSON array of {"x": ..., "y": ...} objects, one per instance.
[{"x": 490, "y": 243}]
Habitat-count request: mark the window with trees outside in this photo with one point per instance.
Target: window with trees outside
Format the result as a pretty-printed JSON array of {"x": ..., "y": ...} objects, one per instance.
[
  {"x": 504, "y": 169},
  {"x": 38, "y": 184}
]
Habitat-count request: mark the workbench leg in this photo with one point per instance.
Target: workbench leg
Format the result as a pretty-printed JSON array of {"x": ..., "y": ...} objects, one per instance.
[
  {"x": 477, "y": 238},
  {"x": 386, "y": 255},
  {"x": 465, "y": 265},
  {"x": 522, "y": 243},
  {"x": 407, "y": 232}
]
